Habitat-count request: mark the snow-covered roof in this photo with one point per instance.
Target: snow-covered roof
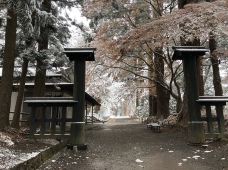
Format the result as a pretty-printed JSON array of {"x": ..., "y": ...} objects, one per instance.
[
  {"x": 47, "y": 84},
  {"x": 32, "y": 72}
]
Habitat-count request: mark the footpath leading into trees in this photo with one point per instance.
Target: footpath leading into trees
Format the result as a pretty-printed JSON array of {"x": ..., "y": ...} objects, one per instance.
[{"x": 119, "y": 146}]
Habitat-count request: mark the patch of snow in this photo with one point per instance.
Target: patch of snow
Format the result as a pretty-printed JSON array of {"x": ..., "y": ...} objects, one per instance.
[
  {"x": 184, "y": 160},
  {"x": 207, "y": 151},
  {"x": 138, "y": 161},
  {"x": 171, "y": 151},
  {"x": 141, "y": 166},
  {"x": 9, "y": 158},
  {"x": 119, "y": 117},
  {"x": 53, "y": 161},
  {"x": 4, "y": 138},
  {"x": 180, "y": 164},
  {"x": 196, "y": 157},
  {"x": 26, "y": 156},
  {"x": 223, "y": 159}
]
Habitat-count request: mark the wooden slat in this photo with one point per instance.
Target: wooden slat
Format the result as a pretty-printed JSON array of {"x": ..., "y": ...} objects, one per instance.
[
  {"x": 33, "y": 121},
  {"x": 63, "y": 120},
  {"x": 43, "y": 118},
  {"x": 37, "y": 103},
  {"x": 49, "y": 98},
  {"x": 209, "y": 119},
  {"x": 213, "y": 97},
  {"x": 53, "y": 119},
  {"x": 221, "y": 121},
  {"x": 58, "y": 120}
]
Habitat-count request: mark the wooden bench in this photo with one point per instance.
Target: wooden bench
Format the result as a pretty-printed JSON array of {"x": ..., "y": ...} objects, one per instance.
[
  {"x": 154, "y": 126},
  {"x": 218, "y": 102}
]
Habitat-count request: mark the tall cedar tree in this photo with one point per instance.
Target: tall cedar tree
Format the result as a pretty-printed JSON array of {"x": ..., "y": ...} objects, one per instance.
[
  {"x": 17, "y": 110},
  {"x": 16, "y": 117},
  {"x": 39, "y": 88},
  {"x": 163, "y": 96},
  {"x": 216, "y": 74},
  {"x": 8, "y": 67}
]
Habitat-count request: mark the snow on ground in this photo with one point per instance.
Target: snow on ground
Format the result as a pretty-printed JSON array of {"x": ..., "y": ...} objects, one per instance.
[
  {"x": 15, "y": 149},
  {"x": 9, "y": 157},
  {"x": 119, "y": 117},
  {"x": 4, "y": 138}
]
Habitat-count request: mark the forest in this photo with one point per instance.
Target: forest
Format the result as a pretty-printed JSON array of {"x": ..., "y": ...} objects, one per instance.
[{"x": 134, "y": 40}]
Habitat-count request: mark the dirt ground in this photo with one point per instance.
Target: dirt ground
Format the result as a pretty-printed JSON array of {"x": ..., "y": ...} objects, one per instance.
[{"x": 123, "y": 144}]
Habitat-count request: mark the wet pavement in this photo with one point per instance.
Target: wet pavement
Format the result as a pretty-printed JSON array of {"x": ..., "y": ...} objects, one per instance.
[{"x": 125, "y": 144}]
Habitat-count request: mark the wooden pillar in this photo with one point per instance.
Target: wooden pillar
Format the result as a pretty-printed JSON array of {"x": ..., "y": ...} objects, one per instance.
[
  {"x": 79, "y": 56},
  {"x": 209, "y": 119},
  {"x": 79, "y": 90},
  {"x": 220, "y": 119},
  {"x": 191, "y": 87},
  {"x": 86, "y": 113},
  {"x": 92, "y": 114},
  {"x": 189, "y": 55}
]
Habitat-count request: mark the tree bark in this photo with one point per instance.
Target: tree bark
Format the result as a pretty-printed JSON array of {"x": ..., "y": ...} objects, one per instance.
[
  {"x": 17, "y": 111},
  {"x": 215, "y": 66},
  {"x": 216, "y": 80},
  {"x": 152, "y": 87},
  {"x": 8, "y": 67},
  {"x": 163, "y": 96},
  {"x": 39, "y": 87}
]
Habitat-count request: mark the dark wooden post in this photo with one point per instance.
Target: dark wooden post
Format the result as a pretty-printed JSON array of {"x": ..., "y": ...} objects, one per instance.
[
  {"x": 189, "y": 55},
  {"x": 63, "y": 122},
  {"x": 43, "y": 120},
  {"x": 79, "y": 56},
  {"x": 92, "y": 114},
  {"x": 209, "y": 119},
  {"x": 79, "y": 91},
  {"x": 86, "y": 113}
]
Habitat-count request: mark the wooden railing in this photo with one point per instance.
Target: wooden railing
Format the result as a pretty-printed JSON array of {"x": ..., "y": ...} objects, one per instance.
[
  {"x": 45, "y": 124},
  {"x": 218, "y": 102}
]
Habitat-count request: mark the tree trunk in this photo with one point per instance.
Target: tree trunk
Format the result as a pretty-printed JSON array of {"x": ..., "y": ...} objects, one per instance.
[
  {"x": 8, "y": 67},
  {"x": 216, "y": 80},
  {"x": 39, "y": 87},
  {"x": 215, "y": 67},
  {"x": 183, "y": 117},
  {"x": 163, "y": 96},
  {"x": 152, "y": 88},
  {"x": 17, "y": 111}
]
